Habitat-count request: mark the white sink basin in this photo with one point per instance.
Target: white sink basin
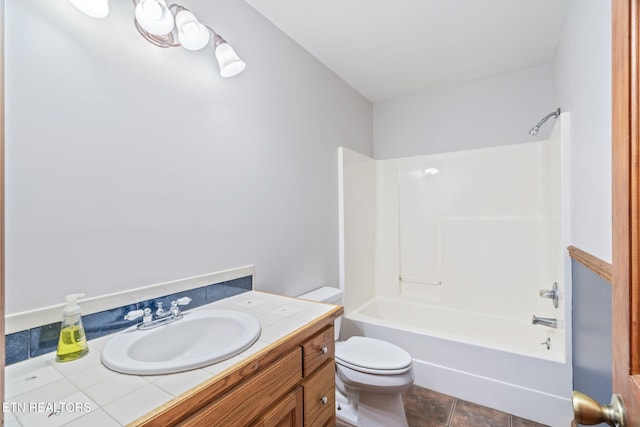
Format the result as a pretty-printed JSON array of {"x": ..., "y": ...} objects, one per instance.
[{"x": 198, "y": 339}]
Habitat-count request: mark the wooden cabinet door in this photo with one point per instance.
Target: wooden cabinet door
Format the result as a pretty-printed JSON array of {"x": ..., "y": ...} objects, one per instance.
[
  {"x": 286, "y": 413},
  {"x": 252, "y": 397},
  {"x": 320, "y": 396}
]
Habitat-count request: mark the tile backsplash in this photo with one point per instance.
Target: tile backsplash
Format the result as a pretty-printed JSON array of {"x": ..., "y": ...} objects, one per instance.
[{"x": 35, "y": 341}]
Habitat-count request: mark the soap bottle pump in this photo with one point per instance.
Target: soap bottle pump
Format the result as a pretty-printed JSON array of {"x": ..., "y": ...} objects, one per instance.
[{"x": 72, "y": 344}]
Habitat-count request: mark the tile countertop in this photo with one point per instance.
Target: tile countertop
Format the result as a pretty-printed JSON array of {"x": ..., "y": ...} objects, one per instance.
[{"x": 41, "y": 392}]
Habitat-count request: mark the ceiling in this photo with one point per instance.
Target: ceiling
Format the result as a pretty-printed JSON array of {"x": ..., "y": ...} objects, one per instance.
[{"x": 390, "y": 48}]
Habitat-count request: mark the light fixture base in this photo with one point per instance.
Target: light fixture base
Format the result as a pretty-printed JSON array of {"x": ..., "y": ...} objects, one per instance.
[{"x": 165, "y": 40}]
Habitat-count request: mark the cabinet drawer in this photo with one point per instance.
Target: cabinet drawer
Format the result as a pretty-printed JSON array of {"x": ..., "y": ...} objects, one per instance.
[
  {"x": 320, "y": 396},
  {"x": 317, "y": 350},
  {"x": 252, "y": 397}
]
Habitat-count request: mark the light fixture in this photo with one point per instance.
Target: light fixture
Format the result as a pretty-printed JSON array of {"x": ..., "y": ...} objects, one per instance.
[
  {"x": 192, "y": 34},
  {"x": 154, "y": 17},
  {"x": 172, "y": 26},
  {"x": 93, "y": 8},
  {"x": 228, "y": 60}
]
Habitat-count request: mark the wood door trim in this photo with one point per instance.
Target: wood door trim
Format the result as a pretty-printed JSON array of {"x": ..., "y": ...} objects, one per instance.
[{"x": 592, "y": 262}]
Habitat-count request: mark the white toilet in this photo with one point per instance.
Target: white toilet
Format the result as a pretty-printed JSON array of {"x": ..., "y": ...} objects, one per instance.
[{"x": 371, "y": 375}]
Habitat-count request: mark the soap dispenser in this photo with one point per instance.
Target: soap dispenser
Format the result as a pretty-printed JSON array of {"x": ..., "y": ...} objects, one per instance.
[{"x": 72, "y": 344}]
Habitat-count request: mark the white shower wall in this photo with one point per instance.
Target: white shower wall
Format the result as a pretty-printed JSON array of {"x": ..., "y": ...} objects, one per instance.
[
  {"x": 482, "y": 234},
  {"x": 357, "y": 225}
]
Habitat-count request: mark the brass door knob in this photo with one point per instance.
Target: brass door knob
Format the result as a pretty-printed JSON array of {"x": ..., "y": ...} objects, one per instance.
[{"x": 589, "y": 412}]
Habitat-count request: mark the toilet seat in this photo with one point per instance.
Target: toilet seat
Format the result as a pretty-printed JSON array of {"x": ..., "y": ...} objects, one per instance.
[{"x": 372, "y": 356}]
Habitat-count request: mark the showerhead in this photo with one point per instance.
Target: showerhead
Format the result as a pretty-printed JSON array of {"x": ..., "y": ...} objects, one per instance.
[{"x": 534, "y": 130}]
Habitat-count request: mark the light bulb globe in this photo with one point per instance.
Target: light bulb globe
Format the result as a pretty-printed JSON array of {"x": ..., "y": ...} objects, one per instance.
[
  {"x": 154, "y": 17},
  {"x": 229, "y": 61},
  {"x": 192, "y": 34}
]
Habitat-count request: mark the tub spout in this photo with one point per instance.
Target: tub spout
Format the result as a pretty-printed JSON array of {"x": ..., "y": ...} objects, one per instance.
[{"x": 545, "y": 321}]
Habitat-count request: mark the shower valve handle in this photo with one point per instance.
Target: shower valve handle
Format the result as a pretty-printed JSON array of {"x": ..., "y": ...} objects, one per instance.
[{"x": 551, "y": 294}]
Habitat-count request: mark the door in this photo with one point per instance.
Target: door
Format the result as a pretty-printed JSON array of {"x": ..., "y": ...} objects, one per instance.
[
  {"x": 626, "y": 216},
  {"x": 286, "y": 413},
  {"x": 626, "y": 180}
]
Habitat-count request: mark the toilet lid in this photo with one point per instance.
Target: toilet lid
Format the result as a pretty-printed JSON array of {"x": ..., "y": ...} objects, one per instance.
[{"x": 372, "y": 356}]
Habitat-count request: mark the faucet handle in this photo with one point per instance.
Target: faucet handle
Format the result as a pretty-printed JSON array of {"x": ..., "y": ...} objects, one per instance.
[
  {"x": 174, "y": 306},
  {"x": 183, "y": 301},
  {"x": 147, "y": 315},
  {"x": 133, "y": 315}
]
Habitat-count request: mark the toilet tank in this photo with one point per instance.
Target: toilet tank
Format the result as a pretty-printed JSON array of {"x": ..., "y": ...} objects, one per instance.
[{"x": 328, "y": 295}]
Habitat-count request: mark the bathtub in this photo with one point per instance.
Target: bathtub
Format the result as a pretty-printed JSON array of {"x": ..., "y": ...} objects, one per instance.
[{"x": 484, "y": 359}]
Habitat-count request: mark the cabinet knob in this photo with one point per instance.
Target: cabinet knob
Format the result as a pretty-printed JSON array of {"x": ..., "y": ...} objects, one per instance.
[
  {"x": 324, "y": 350},
  {"x": 324, "y": 400}
]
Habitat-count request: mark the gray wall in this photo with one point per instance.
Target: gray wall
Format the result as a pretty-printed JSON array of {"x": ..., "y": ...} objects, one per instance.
[
  {"x": 592, "y": 334},
  {"x": 130, "y": 165},
  {"x": 497, "y": 110}
]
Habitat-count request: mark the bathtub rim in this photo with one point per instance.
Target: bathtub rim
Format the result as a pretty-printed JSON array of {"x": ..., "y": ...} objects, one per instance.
[{"x": 558, "y": 356}]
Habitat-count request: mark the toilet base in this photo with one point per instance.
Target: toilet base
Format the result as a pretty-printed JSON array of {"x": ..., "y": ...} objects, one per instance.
[
  {"x": 372, "y": 409},
  {"x": 344, "y": 410}
]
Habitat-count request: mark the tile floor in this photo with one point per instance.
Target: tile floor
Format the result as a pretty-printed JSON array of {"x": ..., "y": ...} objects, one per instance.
[{"x": 427, "y": 408}]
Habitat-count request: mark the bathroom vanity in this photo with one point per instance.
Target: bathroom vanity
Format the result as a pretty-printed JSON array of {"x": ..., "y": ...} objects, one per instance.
[
  {"x": 290, "y": 383},
  {"x": 286, "y": 378}
]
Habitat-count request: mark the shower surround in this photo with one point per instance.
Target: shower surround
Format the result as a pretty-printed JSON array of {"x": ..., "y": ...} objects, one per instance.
[{"x": 446, "y": 254}]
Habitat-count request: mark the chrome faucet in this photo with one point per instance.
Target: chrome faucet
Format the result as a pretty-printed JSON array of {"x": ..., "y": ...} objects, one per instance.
[
  {"x": 545, "y": 321},
  {"x": 161, "y": 316}
]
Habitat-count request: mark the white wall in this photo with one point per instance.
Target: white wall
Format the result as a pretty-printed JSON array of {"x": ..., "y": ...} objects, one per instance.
[
  {"x": 488, "y": 112},
  {"x": 129, "y": 165},
  {"x": 582, "y": 77}
]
